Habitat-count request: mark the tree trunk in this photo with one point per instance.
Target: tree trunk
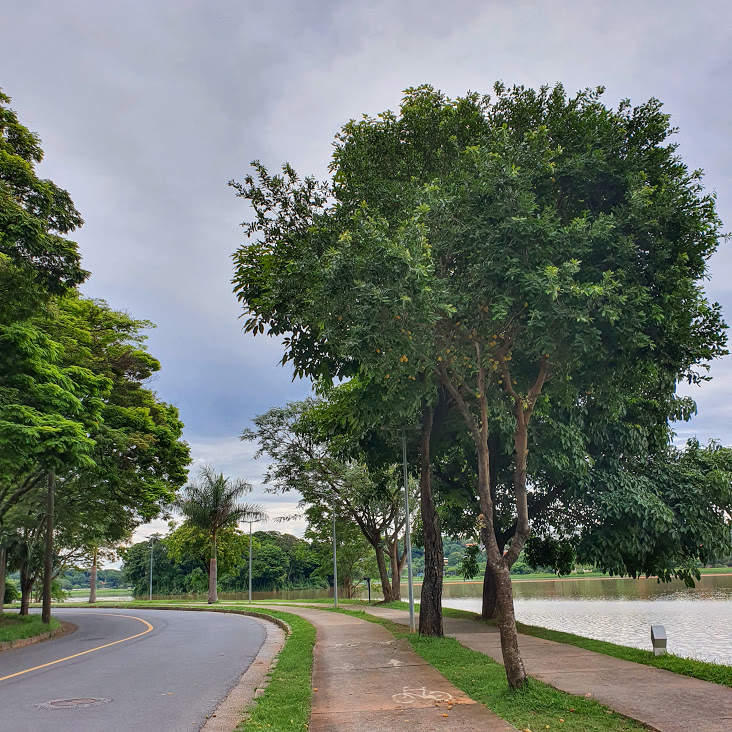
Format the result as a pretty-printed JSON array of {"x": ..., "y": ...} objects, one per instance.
[
  {"x": 93, "y": 579},
  {"x": 498, "y": 568},
  {"x": 26, "y": 585},
  {"x": 507, "y": 625},
  {"x": 430, "y": 604},
  {"x": 489, "y": 610},
  {"x": 396, "y": 569},
  {"x": 48, "y": 554},
  {"x": 212, "y": 578},
  {"x": 3, "y": 571},
  {"x": 386, "y": 587}
]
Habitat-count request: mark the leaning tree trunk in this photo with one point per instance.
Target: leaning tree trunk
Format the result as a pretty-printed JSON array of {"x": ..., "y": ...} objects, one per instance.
[
  {"x": 212, "y": 578},
  {"x": 93, "y": 579},
  {"x": 430, "y": 603},
  {"x": 386, "y": 587},
  {"x": 48, "y": 553}
]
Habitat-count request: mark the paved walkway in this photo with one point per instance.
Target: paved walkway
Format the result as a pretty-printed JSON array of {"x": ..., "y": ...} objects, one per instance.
[
  {"x": 368, "y": 681},
  {"x": 664, "y": 701}
]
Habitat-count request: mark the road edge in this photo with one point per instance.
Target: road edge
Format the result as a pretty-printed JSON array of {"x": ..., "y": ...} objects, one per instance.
[{"x": 254, "y": 680}]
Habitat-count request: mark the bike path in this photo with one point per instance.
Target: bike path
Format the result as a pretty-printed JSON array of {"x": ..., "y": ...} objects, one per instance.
[
  {"x": 660, "y": 699},
  {"x": 365, "y": 680}
]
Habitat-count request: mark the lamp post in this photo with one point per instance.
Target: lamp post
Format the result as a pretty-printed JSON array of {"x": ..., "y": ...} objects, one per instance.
[
  {"x": 408, "y": 535},
  {"x": 152, "y": 539},
  {"x": 250, "y": 562},
  {"x": 335, "y": 564}
]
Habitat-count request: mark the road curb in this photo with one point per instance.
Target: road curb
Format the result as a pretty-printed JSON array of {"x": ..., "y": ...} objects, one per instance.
[
  {"x": 255, "y": 679},
  {"x": 22, "y": 642}
]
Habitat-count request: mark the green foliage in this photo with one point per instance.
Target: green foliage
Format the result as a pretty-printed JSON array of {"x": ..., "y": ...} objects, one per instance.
[
  {"x": 469, "y": 563},
  {"x": 190, "y": 543},
  {"x": 212, "y": 503},
  {"x": 549, "y": 552},
  {"x": 12, "y": 593},
  {"x": 35, "y": 214}
]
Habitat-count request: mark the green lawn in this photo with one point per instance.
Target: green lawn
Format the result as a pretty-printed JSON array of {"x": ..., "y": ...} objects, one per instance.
[
  {"x": 102, "y": 592},
  {"x": 14, "y": 627}
]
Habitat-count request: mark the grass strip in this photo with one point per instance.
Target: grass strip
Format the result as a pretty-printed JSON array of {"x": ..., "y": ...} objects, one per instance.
[
  {"x": 14, "y": 627},
  {"x": 286, "y": 701},
  {"x": 704, "y": 670},
  {"x": 715, "y": 673},
  {"x": 537, "y": 706}
]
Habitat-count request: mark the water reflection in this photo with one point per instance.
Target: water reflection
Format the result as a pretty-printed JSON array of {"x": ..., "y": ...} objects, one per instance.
[{"x": 698, "y": 621}]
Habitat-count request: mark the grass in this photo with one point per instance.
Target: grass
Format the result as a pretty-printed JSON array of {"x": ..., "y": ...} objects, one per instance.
[
  {"x": 286, "y": 701},
  {"x": 537, "y": 706},
  {"x": 101, "y": 592},
  {"x": 703, "y": 670},
  {"x": 14, "y": 627},
  {"x": 716, "y": 673}
]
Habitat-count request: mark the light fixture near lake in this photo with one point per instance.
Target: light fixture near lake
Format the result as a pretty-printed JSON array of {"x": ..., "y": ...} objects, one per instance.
[{"x": 658, "y": 639}]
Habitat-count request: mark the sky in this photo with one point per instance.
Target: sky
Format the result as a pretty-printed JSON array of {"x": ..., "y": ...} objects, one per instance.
[{"x": 148, "y": 109}]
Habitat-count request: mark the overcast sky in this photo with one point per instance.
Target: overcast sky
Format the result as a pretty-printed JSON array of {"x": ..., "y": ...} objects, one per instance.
[{"x": 147, "y": 109}]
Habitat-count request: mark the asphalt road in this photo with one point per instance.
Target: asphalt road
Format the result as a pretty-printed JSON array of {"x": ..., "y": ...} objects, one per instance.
[{"x": 166, "y": 679}]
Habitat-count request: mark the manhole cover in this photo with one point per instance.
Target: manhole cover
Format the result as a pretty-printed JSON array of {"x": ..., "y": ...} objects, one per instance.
[{"x": 78, "y": 703}]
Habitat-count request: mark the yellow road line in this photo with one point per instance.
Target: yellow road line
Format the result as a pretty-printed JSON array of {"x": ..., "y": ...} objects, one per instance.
[{"x": 91, "y": 650}]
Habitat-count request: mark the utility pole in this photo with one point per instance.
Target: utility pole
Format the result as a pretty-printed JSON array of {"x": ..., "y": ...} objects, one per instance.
[
  {"x": 152, "y": 539},
  {"x": 335, "y": 564},
  {"x": 408, "y": 534},
  {"x": 250, "y": 562},
  {"x": 48, "y": 554}
]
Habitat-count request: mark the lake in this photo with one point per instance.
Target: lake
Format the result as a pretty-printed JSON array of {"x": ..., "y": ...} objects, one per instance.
[{"x": 698, "y": 621}]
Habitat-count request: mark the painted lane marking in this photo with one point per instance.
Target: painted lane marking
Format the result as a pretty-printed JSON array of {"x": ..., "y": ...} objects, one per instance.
[{"x": 91, "y": 650}]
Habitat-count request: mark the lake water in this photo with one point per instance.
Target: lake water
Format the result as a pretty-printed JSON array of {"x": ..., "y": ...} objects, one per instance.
[{"x": 698, "y": 621}]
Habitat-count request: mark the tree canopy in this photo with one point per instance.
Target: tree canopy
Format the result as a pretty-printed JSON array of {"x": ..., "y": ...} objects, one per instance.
[{"x": 507, "y": 257}]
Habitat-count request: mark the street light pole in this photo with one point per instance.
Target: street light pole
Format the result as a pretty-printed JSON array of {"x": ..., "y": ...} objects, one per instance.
[
  {"x": 250, "y": 562},
  {"x": 408, "y": 535},
  {"x": 152, "y": 539},
  {"x": 335, "y": 565}
]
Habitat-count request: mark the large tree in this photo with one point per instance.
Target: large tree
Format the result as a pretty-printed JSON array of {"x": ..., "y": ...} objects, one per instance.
[
  {"x": 496, "y": 256},
  {"x": 312, "y": 453}
]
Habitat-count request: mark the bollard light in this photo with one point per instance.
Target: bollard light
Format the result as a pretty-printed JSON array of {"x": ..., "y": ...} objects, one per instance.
[{"x": 658, "y": 639}]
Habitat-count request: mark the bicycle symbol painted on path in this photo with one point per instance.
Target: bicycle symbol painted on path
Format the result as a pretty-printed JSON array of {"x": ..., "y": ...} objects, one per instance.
[{"x": 409, "y": 696}]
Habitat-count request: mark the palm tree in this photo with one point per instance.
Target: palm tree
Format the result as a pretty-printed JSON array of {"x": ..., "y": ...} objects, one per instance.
[{"x": 211, "y": 504}]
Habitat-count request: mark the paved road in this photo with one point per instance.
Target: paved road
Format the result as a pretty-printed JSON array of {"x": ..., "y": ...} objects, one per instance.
[{"x": 167, "y": 678}]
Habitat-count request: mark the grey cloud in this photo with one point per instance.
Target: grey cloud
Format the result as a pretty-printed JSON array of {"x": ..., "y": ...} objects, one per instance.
[{"x": 147, "y": 110}]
